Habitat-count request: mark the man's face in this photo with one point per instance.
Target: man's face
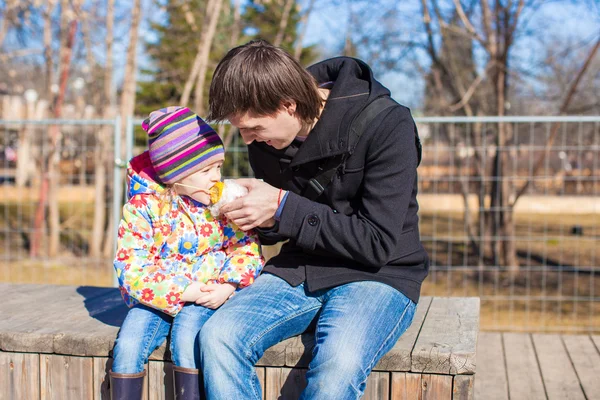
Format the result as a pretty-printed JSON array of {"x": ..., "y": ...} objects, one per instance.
[{"x": 277, "y": 130}]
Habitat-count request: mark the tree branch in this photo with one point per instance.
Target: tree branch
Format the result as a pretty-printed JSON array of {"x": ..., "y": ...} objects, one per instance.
[{"x": 556, "y": 125}]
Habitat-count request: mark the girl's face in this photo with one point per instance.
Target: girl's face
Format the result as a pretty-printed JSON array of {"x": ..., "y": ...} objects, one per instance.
[{"x": 198, "y": 184}]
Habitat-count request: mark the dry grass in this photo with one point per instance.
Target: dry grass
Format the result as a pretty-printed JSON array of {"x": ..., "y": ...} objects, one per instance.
[
  {"x": 528, "y": 300},
  {"x": 539, "y": 301}
]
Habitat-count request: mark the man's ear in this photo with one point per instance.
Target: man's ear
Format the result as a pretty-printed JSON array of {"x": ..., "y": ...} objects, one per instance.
[{"x": 289, "y": 106}]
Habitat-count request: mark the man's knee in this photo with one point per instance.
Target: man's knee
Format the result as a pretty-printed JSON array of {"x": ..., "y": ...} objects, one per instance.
[
  {"x": 339, "y": 374},
  {"x": 220, "y": 334}
]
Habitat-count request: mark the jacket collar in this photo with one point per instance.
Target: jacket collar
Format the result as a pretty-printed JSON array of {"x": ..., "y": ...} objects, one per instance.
[{"x": 354, "y": 87}]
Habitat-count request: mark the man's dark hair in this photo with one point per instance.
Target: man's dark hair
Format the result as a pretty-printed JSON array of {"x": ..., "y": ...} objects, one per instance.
[{"x": 257, "y": 77}]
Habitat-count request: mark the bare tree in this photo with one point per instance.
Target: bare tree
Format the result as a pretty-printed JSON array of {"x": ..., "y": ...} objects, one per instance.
[
  {"x": 304, "y": 21},
  {"x": 460, "y": 89},
  {"x": 283, "y": 23},
  {"x": 49, "y": 162},
  {"x": 130, "y": 76},
  {"x": 199, "y": 68},
  {"x": 103, "y": 140}
]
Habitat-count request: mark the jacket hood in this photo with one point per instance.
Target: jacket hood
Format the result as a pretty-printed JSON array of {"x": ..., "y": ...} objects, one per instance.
[
  {"x": 141, "y": 176},
  {"x": 354, "y": 87}
]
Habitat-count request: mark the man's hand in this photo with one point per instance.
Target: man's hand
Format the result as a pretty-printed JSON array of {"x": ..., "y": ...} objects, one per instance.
[
  {"x": 257, "y": 208},
  {"x": 215, "y": 294}
]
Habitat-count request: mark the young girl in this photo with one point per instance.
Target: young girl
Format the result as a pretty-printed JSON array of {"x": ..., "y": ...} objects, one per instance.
[{"x": 175, "y": 262}]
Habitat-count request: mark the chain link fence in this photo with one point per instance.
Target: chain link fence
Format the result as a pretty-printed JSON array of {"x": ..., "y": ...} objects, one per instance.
[{"x": 508, "y": 206}]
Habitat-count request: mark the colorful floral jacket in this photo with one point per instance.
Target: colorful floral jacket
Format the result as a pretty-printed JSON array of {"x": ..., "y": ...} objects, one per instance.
[{"x": 161, "y": 250}]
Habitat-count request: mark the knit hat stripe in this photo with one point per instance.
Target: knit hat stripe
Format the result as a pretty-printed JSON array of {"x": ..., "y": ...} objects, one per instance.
[
  {"x": 172, "y": 162},
  {"x": 180, "y": 143},
  {"x": 174, "y": 142},
  {"x": 198, "y": 163},
  {"x": 171, "y": 130},
  {"x": 170, "y": 141},
  {"x": 185, "y": 147},
  {"x": 166, "y": 119}
]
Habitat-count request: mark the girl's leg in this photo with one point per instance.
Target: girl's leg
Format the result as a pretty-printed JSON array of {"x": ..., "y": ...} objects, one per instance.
[
  {"x": 184, "y": 335},
  {"x": 185, "y": 351},
  {"x": 143, "y": 330}
]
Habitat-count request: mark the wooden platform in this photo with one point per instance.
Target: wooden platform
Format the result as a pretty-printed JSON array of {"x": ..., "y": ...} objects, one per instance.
[
  {"x": 55, "y": 343},
  {"x": 537, "y": 366}
]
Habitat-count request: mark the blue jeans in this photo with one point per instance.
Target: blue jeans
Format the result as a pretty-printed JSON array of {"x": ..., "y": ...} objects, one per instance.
[
  {"x": 357, "y": 323},
  {"x": 145, "y": 328}
]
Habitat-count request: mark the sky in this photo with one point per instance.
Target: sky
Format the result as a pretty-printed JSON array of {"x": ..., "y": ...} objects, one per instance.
[
  {"x": 328, "y": 25},
  {"x": 564, "y": 19}
]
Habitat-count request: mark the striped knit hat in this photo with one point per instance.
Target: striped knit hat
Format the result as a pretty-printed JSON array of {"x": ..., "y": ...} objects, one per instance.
[{"x": 180, "y": 143}]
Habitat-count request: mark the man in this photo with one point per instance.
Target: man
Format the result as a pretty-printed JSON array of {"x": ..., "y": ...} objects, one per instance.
[{"x": 353, "y": 263}]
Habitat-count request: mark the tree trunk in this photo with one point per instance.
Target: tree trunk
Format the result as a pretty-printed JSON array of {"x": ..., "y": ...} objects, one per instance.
[
  {"x": 102, "y": 150},
  {"x": 304, "y": 22},
  {"x": 48, "y": 49},
  {"x": 207, "y": 37},
  {"x": 283, "y": 23},
  {"x": 189, "y": 83},
  {"x": 55, "y": 136},
  {"x": 130, "y": 77},
  {"x": 49, "y": 163},
  {"x": 235, "y": 29}
]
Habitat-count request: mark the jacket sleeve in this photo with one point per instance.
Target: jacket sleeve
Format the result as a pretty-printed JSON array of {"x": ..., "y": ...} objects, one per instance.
[
  {"x": 244, "y": 260},
  {"x": 143, "y": 275},
  {"x": 372, "y": 235}
]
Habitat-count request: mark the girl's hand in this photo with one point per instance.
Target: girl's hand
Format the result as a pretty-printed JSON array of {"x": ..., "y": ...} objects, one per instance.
[
  {"x": 191, "y": 293},
  {"x": 257, "y": 208},
  {"x": 215, "y": 294}
]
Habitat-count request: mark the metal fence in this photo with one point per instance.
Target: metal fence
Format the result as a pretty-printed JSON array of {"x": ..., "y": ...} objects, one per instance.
[{"x": 508, "y": 207}]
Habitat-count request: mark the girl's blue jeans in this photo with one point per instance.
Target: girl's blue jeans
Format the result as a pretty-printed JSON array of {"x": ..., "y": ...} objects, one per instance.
[
  {"x": 144, "y": 329},
  {"x": 357, "y": 323}
]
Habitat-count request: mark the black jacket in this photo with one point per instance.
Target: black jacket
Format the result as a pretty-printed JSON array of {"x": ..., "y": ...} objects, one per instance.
[{"x": 365, "y": 225}]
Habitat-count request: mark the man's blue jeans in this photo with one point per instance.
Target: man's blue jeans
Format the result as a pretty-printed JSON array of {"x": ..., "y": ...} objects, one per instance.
[
  {"x": 145, "y": 328},
  {"x": 357, "y": 324}
]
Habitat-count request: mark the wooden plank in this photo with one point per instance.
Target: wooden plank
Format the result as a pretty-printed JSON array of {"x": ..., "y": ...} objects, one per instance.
[
  {"x": 298, "y": 352},
  {"x": 261, "y": 379},
  {"x": 524, "y": 378},
  {"x": 378, "y": 386},
  {"x": 30, "y": 305},
  {"x": 14, "y": 293},
  {"x": 102, "y": 366},
  {"x": 436, "y": 387},
  {"x": 160, "y": 381},
  {"x": 586, "y": 360},
  {"x": 463, "y": 387},
  {"x": 284, "y": 383},
  {"x": 558, "y": 374},
  {"x": 66, "y": 378},
  {"x": 596, "y": 340},
  {"x": 19, "y": 376},
  {"x": 399, "y": 357},
  {"x": 275, "y": 355},
  {"x": 35, "y": 331},
  {"x": 491, "y": 380},
  {"x": 83, "y": 333},
  {"x": 406, "y": 386},
  {"x": 447, "y": 341}
]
